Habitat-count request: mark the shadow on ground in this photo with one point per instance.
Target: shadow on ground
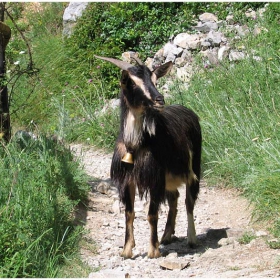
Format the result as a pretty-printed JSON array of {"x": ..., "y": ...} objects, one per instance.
[
  {"x": 84, "y": 206},
  {"x": 210, "y": 239}
]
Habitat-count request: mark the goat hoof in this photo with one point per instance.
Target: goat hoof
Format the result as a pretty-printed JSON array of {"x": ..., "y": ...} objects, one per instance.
[
  {"x": 167, "y": 239},
  {"x": 192, "y": 245},
  {"x": 192, "y": 241},
  {"x": 127, "y": 254},
  {"x": 165, "y": 242},
  {"x": 152, "y": 254}
]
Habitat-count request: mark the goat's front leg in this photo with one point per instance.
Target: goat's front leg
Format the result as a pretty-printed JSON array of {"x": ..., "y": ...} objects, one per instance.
[
  {"x": 129, "y": 218},
  {"x": 153, "y": 251},
  {"x": 172, "y": 198}
]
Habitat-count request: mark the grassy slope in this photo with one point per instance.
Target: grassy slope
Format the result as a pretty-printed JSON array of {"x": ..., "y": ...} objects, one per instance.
[
  {"x": 41, "y": 183},
  {"x": 40, "y": 186}
]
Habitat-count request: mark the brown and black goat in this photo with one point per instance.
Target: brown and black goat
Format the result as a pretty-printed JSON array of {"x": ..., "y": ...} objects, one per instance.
[{"x": 165, "y": 142}]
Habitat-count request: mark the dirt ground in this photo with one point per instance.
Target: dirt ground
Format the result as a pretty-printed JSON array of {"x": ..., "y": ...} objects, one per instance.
[{"x": 222, "y": 219}]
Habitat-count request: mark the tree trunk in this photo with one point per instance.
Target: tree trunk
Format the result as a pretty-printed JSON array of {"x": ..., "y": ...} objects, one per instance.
[{"x": 5, "y": 35}]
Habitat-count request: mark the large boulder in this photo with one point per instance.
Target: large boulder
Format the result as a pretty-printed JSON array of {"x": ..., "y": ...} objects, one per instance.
[
  {"x": 208, "y": 17},
  {"x": 188, "y": 41},
  {"x": 71, "y": 15}
]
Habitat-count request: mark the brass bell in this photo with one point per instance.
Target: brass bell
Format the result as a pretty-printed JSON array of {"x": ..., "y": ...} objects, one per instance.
[{"x": 128, "y": 158}]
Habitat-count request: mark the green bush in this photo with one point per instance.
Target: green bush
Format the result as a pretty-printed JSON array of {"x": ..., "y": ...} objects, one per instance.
[{"x": 109, "y": 29}]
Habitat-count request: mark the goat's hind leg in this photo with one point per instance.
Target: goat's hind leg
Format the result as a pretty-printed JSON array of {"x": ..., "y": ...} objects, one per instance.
[
  {"x": 129, "y": 218},
  {"x": 191, "y": 196},
  {"x": 172, "y": 198}
]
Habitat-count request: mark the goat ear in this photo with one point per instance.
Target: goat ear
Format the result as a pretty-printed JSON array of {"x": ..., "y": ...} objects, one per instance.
[
  {"x": 124, "y": 78},
  {"x": 163, "y": 69}
]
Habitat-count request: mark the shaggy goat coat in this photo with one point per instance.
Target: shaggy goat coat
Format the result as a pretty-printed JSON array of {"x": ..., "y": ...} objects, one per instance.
[
  {"x": 166, "y": 146},
  {"x": 169, "y": 144}
]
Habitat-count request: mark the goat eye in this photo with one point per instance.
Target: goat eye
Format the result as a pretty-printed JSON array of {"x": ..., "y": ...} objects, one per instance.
[{"x": 133, "y": 84}]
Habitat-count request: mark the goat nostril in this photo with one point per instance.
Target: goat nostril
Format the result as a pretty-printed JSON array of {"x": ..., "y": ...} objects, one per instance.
[{"x": 160, "y": 100}]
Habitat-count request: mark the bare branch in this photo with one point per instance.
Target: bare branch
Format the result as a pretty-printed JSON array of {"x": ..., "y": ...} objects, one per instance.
[{"x": 30, "y": 65}]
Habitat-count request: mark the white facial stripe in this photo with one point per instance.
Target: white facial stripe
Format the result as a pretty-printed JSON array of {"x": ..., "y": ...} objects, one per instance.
[{"x": 139, "y": 83}]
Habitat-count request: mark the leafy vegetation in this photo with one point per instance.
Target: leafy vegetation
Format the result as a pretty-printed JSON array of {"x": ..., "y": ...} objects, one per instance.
[
  {"x": 69, "y": 74},
  {"x": 109, "y": 29},
  {"x": 238, "y": 104}
]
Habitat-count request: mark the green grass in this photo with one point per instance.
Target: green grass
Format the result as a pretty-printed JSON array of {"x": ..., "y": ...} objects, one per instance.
[
  {"x": 275, "y": 244},
  {"x": 240, "y": 133},
  {"x": 246, "y": 238},
  {"x": 65, "y": 96},
  {"x": 41, "y": 184},
  {"x": 238, "y": 104},
  {"x": 86, "y": 123}
]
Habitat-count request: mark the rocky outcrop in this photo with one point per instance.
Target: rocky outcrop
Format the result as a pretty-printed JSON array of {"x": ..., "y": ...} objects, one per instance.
[
  {"x": 207, "y": 44},
  {"x": 211, "y": 40},
  {"x": 71, "y": 14}
]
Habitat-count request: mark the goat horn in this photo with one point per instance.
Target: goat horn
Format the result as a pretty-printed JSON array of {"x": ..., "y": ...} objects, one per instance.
[
  {"x": 138, "y": 60},
  {"x": 121, "y": 64}
]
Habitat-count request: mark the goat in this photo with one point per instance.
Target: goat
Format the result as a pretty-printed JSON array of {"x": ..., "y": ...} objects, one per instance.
[{"x": 165, "y": 142}]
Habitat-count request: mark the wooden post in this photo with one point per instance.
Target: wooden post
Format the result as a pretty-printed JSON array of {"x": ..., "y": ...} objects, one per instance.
[{"x": 5, "y": 127}]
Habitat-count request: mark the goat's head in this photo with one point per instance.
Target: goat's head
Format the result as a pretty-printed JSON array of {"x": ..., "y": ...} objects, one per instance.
[{"x": 139, "y": 83}]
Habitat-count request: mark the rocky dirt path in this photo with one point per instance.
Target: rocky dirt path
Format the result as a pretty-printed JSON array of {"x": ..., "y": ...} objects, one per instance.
[{"x": 221, "y": 217}]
